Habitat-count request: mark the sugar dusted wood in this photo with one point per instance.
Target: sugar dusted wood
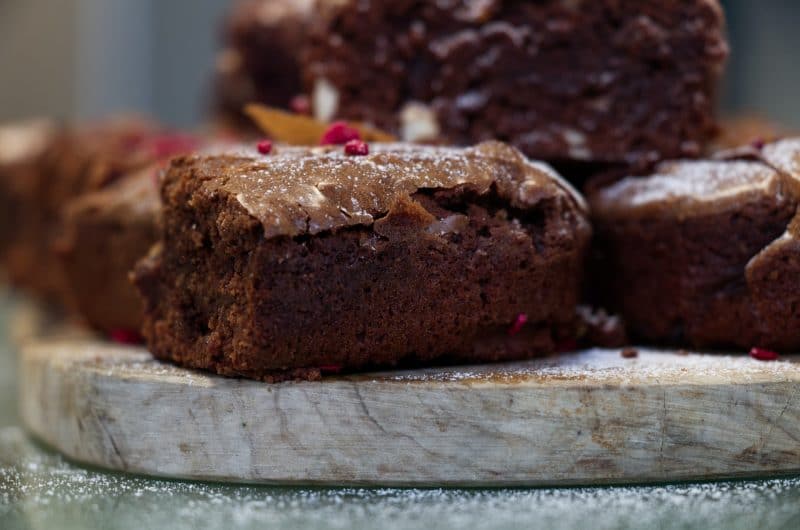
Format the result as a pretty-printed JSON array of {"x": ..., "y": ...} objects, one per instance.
[{"x": 588, "y": 418}]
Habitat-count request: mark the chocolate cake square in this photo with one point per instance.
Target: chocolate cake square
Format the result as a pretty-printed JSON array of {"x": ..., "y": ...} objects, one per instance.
[
  {"x": 264, "y": 40},
  {"x": 705, "y": 253},
  {"x": 75, "y": 160},
  {"x": 104, "y": 234},
  {"x": 23, "y": 162},
  {"x": 627, "y": 82},
  {"x": 308, "y": 258}
]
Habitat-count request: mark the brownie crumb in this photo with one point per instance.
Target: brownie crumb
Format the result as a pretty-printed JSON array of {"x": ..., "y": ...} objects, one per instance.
[
  {"x": 629, "y": 353},
  {"x": 596, "y": 327}
]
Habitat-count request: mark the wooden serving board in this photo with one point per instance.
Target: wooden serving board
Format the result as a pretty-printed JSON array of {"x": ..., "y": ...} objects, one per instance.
[{"x": 592, "y": 417}]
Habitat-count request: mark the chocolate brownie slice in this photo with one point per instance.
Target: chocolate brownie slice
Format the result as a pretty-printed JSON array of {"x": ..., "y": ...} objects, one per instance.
[
  {"x": 613, "y": 82},
  {"x": 306, "y": 258},
  {"x": 105, "y": 233},
  {"x": 261, "y": 60},
  {"x": 79, "y": 160},
  {"x": 74, "y": 161},
  {"x": 23, "y": 149},
  {"x": 705, "y": 253}
]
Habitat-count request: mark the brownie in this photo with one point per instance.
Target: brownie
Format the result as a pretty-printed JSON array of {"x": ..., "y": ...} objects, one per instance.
[
  {"x": 605, "y": 82},
  {"x": 23, "y": 150},
  {"x": 75, "y": 160},
  {"x": 705, "y": 253},
  {"x": 309, "y": 258},
  {"x": 105, "y": 233},
  {"x": 83, "y": 159},
  {"x": 261, "y": 61}
]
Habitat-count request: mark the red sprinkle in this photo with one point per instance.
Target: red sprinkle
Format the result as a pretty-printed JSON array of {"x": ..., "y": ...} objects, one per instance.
[
  {"x": 264, "y": 147},
  {"x": 126, "y": 336},
  {"x": 516, "y": 327},
  {"x": 758, "y": 143},
  {"x": 763, "y": 355},
  {"x": 339, "y": 133},
  {"x": 330, "y": 368},
  {"x": 300, "y": 104},
  {"x": 356, "y": 148},
  {"x": 169, "y": 145}
]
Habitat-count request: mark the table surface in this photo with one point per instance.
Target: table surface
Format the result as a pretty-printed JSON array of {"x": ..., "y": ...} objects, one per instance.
[{"x": 39, "y": 489}]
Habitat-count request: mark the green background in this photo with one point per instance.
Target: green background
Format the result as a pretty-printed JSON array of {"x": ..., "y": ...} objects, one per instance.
[{"x": 39, "y": 489}]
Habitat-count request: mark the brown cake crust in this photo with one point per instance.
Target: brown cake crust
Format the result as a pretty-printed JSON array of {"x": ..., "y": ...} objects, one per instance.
[
  {"x": 105, "y": 233},
  {"x": 607, "y": 82},
  {"x": 705, "y": 253},
  {"x": 309, "y": 258}
]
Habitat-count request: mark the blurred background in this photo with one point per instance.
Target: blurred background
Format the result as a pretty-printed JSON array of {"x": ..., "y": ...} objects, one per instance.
[{"x": 79, "y": 59}]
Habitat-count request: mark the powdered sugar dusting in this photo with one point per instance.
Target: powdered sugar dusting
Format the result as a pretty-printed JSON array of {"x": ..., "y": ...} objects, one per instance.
[
  {"x": 606, "y": 366},
  {"x": 784, "y": 155},
  {"x": 690, "y": 187},
  {"x": 309, "y": 190}
]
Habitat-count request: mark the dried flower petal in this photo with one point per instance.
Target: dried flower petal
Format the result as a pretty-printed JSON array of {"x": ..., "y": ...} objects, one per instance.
[
  {"x": 339, "y": 133},
  {"x": 356, "y": 148},
  {"x": 297, "y": 129},
  {"x": 126, "y": 336},
  {"x": 763, "y": 355},
  {"x": 516, "y": 327},
  {"x": 170, "y": 145},
  {"x": 264, "y": 147}
]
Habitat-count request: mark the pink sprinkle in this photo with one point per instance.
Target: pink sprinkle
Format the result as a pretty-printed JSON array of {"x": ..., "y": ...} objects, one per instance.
[
  {"x": 516, "y": 327},
  {"x": 356, "y": 148},
  {"x": 126, "y": 336},
  {"x": 300, "y": 104},
  {"x": 169, "y": 145},
  {"x": 763, "y": 355},
  {"x": 330, "y": 368},
  {"x": 339, "y": 133},
  {"x": 264, "y": 147}
]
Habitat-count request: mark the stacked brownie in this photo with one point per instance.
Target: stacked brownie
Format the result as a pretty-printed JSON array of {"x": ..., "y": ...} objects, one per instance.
[
  {"x": 706, "y": 253},
  {"x": 60, "y": 165},
  {"x": 23, "y": 159},
  {"x": 626, "y": 82},
  {"x": 72, "y": 162},
  {"x": 261, "y": 60},
  {"x": 308, "y": 258},
  {"x": 104, "y": 234}
]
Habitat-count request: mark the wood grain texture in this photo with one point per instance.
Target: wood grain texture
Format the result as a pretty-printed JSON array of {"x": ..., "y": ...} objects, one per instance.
[{"x": 587, "y": 418}]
